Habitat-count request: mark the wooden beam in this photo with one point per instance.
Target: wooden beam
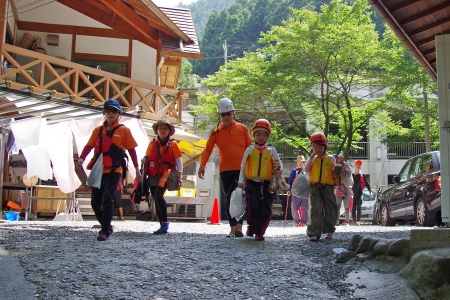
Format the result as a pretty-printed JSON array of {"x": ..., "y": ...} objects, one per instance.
[
  {"x": 4, "y": 20},
  {"x": 132, "y": 18},
  {"x": 151, "y": 18},
  {"x": 89, "y": 56},
  {"x": 166, "y": 20},
  {"x": 69, "y": 29},
  {"x": 194, "y": 56},
  {"x": 14, "y": 10},
  {"x": 102, "y": 14}
]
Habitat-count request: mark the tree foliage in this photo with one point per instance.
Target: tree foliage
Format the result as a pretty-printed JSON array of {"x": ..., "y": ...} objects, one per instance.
[
  {"x": 315, "y": 69},
  {"x": 240, "y": 23}
]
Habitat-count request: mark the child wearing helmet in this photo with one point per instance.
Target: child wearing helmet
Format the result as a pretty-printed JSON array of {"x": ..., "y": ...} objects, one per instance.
[
  {"x": 119, "y": 138},
  {"x": 323, "y": 207},
  {"x": 231, "y": 139},
  {"x": 258, "y": 170}
]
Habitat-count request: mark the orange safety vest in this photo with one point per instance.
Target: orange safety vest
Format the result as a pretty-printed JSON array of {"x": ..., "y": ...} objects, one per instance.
[
  {"x": 322, "y": 170},
  {"x": 154, "y": 164},
  {"x": 259, "y": 164}
]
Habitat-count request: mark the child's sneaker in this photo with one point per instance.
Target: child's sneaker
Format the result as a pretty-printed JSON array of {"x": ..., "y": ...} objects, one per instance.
[
  {"x": 102, "y": 237},
  {"x": 329, "y": 236},
  {"x": 313, "y": 239},
  {"x": 238, "y": 232},
  {"x": 259, "y": 237}
]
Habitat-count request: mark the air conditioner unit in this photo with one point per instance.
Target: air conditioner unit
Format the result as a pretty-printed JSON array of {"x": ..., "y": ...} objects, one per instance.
[{"x": 52, "y": 39}]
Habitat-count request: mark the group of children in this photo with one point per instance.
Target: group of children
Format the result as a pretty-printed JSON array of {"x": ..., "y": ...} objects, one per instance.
[{"x": 260, "y": 169}]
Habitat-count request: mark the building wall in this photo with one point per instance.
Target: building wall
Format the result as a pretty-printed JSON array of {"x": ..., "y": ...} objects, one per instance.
[{"x": 143, "y": 66}]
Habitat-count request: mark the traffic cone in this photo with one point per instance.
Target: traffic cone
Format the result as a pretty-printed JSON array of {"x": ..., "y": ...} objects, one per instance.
[{"x": 215, "y": 216}]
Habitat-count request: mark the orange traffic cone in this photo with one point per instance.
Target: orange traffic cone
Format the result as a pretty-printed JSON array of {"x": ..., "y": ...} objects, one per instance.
[{"x": 215, "y": 217}]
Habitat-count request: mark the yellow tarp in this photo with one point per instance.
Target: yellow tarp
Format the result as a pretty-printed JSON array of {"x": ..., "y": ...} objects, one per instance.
[{"x": 191, "y": 151}]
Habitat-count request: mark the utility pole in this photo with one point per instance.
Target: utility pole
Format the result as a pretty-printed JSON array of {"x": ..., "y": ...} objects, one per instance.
[{"x": 225, "y": 51}]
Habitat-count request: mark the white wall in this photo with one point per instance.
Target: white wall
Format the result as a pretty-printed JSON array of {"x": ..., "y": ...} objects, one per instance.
[
  {"x": 53, "y": 13},
  {"x": 143, "y": 63},
  {"x": 101, "y": 45},
  {"x": 63, "y": 50}
]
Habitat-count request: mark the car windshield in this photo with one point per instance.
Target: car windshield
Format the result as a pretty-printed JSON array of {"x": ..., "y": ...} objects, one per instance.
[{"x": 366, "y": 197}]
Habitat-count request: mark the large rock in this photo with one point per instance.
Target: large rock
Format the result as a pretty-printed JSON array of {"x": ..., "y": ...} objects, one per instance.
[{"x": 428, "y": 271}]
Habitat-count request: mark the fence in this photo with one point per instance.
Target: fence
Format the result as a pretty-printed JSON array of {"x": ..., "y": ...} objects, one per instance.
[{"x": 361, "y": 150}]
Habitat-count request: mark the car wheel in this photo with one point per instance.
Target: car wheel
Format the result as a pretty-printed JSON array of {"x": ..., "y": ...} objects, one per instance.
[
  {"x": 376, "y": 217},
  {"x": 423, "y": 216},
  {"x": 385, "y": 218}
]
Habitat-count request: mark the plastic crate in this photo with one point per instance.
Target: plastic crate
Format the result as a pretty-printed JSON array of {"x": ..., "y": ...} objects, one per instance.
[{"x": 11, "y": 215}]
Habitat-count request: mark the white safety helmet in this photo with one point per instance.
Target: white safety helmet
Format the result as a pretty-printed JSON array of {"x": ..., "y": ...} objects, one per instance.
[{"x": 224, "y": 105}]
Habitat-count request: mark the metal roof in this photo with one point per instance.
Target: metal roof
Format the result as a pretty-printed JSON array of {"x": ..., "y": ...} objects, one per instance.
[{"x": 416, "y": 23}]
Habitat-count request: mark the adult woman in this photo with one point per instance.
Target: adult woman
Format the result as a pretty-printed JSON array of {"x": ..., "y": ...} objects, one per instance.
[
  {"x": 231, "y": 139},
  {"x": 162, "y": 155},
  {"x": 118, "y": 137}
]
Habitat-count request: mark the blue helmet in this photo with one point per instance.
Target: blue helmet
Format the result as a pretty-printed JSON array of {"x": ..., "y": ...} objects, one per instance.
[{"x": 112, "y": 103}]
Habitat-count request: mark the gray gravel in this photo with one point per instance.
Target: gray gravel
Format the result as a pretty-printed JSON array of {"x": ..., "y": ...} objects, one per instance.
[{"x": 194, "y": 261}]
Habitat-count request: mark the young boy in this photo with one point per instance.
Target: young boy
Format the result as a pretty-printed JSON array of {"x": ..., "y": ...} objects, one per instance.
[
  {"x": 323, "y": 207},
  {"x": 258, "y": 169}
]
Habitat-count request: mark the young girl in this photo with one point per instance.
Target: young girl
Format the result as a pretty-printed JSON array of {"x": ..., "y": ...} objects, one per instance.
[
  {"x": 258, "y": 169},
  {"x": 162, "y": 154}
]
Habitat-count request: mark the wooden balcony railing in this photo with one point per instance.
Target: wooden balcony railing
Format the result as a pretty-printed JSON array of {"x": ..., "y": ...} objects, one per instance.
[{"x": 46, "y": 73}]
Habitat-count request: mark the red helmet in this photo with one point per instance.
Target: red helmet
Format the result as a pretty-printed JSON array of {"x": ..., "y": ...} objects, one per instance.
[
  {"x": 262, "y": 124},
  {"x": 319, "y": 137}
]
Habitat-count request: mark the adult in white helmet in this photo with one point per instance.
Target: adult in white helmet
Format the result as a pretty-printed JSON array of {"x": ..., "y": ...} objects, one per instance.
[{"x": 231, "y": 139}]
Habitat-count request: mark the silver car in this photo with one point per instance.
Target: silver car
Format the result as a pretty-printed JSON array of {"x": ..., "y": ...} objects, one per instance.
[{"x": 366, "y": 207}]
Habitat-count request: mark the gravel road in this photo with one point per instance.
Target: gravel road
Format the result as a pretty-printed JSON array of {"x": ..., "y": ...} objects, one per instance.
[{"x": 63, "y": 260}]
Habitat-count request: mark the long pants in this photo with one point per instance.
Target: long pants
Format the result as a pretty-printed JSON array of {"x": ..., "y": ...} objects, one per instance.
[
  {"x": 303, "y": 204},
  {"x": 102, "y": 199},
  {"x": 323, "y": 210},
  {"x": 259, "y": 206},
  {"x": 229, "y": 181},
  {"x": 160, "y": 203},
  {"x": 346, "y": 200},
  {"x": 356, "y": 208}
]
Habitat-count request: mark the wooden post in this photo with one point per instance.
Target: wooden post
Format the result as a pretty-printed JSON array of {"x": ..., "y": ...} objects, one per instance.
[{"x": 3, "y": 10}]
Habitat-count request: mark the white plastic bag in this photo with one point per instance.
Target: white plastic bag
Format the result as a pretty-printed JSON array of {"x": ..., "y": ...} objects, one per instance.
[
  {"x": 301, "y": 187},
  {"x": 95, "y": 177},
  {"x": 237, "y": 204}
]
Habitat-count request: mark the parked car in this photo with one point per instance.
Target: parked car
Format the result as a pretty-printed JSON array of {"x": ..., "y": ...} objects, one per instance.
[
  {"x": 415, "y": 194},
  {"x": 366, "y": 207}
]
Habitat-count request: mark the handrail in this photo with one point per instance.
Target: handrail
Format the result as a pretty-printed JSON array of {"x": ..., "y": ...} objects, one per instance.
[{"x": 155, "y": 100}]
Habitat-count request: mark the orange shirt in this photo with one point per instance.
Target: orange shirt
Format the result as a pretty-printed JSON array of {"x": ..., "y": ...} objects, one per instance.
[
  {"x": 122, "y": 137},
  {"x": 231, "y": 144}
]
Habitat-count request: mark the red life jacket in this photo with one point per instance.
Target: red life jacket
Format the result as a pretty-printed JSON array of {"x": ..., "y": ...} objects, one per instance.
[
  {"x": 113, "y": 155},
  {"x": 157, "y": 162}
]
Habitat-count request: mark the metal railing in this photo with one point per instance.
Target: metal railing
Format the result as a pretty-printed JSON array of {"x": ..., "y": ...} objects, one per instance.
[
  {"x": 361, "y": 150},
  {"x": 404, "y": 150}
]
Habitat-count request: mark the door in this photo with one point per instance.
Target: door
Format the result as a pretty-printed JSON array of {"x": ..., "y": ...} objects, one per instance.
[{"x": 401, "y": 191}]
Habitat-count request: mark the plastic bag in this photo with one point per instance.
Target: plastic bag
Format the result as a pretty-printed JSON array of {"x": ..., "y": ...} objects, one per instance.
[
  {"x": 237, "y": 204},
  {"x": 301, "y": 187},
  {"x": 95, "y": 177}
]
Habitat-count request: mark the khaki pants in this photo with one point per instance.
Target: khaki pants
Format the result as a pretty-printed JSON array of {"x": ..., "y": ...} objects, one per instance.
[{"x": 323, "y": 210}]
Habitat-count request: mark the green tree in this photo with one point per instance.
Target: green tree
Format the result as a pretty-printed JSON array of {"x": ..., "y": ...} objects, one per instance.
[
  {"x": 313, "y": 70},
  {"x": 186, "y": 78},
  {"x": 410, "y": 115}
]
